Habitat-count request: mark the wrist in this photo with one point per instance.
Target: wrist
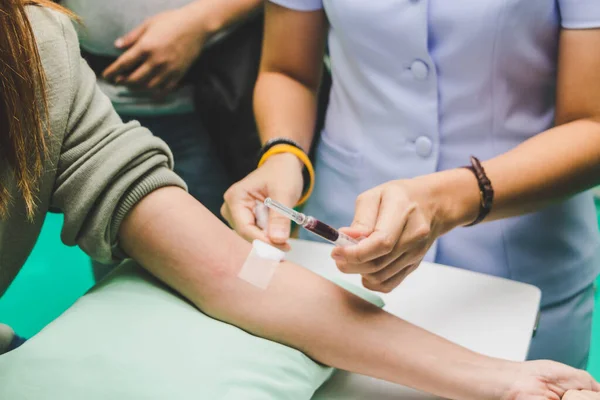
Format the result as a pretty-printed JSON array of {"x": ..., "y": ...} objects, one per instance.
[
  {"x": 469, "y": 376},
  {"x": 456, "y": 196},
  {"x": 487, "y": 378},
  {"x": 495, "y": 380},
  {"x": 287, "y": 159},
  {"x": 207, "y": 17}
]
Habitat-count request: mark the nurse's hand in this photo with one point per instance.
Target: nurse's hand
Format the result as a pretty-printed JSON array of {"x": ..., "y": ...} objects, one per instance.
[
  {"x": 279, "y": 178},
  {"x": 401, "y": 220}
]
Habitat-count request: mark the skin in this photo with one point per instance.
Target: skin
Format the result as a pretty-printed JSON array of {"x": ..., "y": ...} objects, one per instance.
[
  {"x": 159, "y": 52},
  {"x": 182, "y": 243},
  {"x": 581, "y": 395},
  {"x": 547, "y": 168}
]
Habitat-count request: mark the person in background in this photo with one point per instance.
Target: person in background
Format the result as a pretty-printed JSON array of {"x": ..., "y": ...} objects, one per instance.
[
  {"x": 418, "y": 88},
  {"x": 141, "y": 51},
  {"x": 64, "y": 148}
]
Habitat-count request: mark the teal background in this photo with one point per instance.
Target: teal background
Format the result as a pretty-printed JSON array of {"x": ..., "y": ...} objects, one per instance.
[{"x": 56, "y": 275}]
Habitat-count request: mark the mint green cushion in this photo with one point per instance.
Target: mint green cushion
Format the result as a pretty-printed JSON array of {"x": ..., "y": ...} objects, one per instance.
[{"x": 131, "y": 338}]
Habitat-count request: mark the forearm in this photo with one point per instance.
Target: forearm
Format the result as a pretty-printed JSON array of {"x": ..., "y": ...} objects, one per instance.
[
  {"x": 211, "y": 16},
  {"x": 180, "y": 242},
  {"x": 285, "y": 96},
  {"x": 285, "y": 107},
  {"x": 545, "y": 169}
]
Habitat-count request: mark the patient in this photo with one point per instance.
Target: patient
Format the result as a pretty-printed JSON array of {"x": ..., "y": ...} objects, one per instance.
[{"x": 64, "y": 149}]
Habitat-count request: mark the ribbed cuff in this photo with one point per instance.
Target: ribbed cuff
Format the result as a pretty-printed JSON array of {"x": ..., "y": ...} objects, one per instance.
[{"x": 158, "y": 178}]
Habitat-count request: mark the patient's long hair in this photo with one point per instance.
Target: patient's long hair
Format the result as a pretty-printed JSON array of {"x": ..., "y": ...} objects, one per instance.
[{"x": 23, "y": 103}]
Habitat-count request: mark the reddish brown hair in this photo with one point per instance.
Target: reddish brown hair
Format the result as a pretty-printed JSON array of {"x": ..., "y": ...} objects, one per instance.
[{"x": 23, "y": 105}]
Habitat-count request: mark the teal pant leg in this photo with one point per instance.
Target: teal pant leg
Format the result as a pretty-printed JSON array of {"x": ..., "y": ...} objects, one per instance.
[{"x": 564, "y": 331}]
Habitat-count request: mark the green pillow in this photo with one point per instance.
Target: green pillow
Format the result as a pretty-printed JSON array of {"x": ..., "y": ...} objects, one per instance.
[{"x": 132, "y": 338}]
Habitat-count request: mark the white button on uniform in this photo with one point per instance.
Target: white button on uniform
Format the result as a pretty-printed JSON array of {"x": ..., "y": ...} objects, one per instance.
[
  {"x": 420, "y": 70},
  {"x": 424, "y": 146}
]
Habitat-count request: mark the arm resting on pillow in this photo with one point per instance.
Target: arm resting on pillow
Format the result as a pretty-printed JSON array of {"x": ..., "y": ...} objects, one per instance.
[{"x": 183, "y": 244}]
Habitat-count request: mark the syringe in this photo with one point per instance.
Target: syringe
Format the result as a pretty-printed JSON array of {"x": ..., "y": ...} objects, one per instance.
[{"x": 312, "y": 224}]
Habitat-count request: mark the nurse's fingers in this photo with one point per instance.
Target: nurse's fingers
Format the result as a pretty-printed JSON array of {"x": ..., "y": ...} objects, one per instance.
[
  {"x": 392, "y": 283},
  {"x": 393, "y": 216},
  {"x": 412, "y": 245},
  {"x": 238, "y": 211},
  {"x": 244, "y": 223},
  {"x": 280, "y": 226},
  {"x": 393, "y": 268},
  {"x": 366, "y": 211}
]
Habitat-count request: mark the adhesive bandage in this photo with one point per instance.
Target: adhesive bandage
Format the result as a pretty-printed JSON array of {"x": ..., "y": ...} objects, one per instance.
[{"x": 260, "y": 266}]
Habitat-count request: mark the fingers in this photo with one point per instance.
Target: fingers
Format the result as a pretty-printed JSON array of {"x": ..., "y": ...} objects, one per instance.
[
  {"x": 366, "y": 212},
  {"x": 392, "y": 283},
  {"x": 162, "y": 85},
  {"x": 580, "y": 395},
  {"x": 143, "y": 75},
  {"x": 393, "y": 268},
  {"x": 390, "y": 224},
  {"x": 242, "y": 219},
  {"x": 130, "y": 38},
  {"x": 128, "y": 61},
  {"x": 279, "y": 225}
]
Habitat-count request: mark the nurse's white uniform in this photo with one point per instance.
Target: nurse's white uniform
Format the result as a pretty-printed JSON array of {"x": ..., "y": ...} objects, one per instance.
[{"x": 418, "y": 87}]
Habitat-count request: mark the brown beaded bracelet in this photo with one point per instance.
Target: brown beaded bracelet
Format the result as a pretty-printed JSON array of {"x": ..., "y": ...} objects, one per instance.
[{"x": 486, "y": 191}]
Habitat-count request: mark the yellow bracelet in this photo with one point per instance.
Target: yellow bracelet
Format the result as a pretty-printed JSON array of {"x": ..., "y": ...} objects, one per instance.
[{"x": 286, "y": 148}]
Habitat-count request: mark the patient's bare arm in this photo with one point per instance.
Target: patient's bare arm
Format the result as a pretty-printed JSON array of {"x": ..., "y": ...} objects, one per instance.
[{"x": 183, "y": 244}]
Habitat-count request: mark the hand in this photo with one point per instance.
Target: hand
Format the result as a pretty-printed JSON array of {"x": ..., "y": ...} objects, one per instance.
[
  {"x": 581, "y": 395},
  {"x": 401, "y": 220},
  {"x": 547, "y": 380},
  {"x": 158, "y": 53},
  {"x": 280, "y": 178}
]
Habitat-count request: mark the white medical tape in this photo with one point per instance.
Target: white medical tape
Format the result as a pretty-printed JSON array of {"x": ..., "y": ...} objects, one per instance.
[{"x": 260, "y": 265}]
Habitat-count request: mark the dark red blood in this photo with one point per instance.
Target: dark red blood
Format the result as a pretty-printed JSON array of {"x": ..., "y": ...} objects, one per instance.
[{"x": 323, "y": 230}]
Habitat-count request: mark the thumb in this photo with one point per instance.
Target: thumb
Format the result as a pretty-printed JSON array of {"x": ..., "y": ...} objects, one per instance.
[
  {"x": 130, "y": 38},
  {"x": 279, "y": 226}
]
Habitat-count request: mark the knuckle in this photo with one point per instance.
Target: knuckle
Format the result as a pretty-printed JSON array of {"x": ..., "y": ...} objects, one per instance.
[
  {"x": 344, "y": 267},
  {"x": 387, "y": 243},
  {"x": 377, "y": 264},
  {"x": 423, "y": 232},
  {"x": 356, "y": 257},
  {"x": 367, "y": 284},
  {"x": 361, "y": 198},
  {"x": 376, "y": 278},
  {"x": 353, "y": 256},
  {"x": 397, "y": 190},
  {"x": 228, "y": 195},
  {"x": 386, "y": 288},
  {"x": 411, "y": 207},
  {"x": 365, "y": 197}
]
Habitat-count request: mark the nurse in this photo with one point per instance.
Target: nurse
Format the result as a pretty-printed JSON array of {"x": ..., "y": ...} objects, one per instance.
[{"x": 418, "y": 87}]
